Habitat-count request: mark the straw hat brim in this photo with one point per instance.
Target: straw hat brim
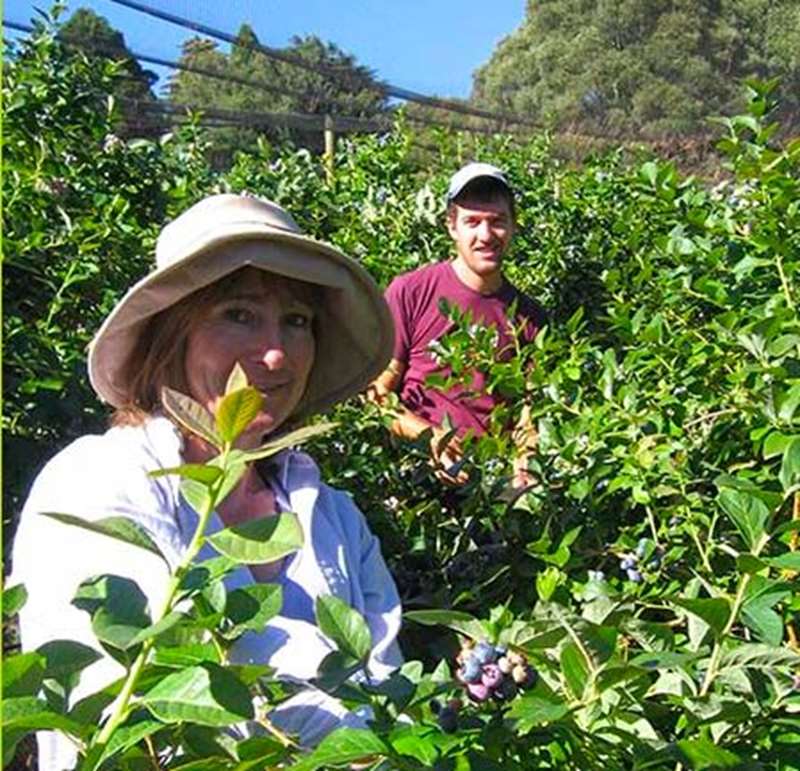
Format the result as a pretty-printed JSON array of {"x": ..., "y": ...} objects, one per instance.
[{"x": 355, "y": 332}]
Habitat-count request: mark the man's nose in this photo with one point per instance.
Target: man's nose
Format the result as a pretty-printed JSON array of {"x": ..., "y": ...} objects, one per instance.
[{"x": 484, "y": 231}]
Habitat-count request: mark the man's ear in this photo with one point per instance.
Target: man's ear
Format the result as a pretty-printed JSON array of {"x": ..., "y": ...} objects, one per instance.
[{"x": 451, "y": 223}]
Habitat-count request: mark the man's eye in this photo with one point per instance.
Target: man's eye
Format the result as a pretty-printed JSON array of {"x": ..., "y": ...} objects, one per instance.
[{"x": 239, "y": 315}]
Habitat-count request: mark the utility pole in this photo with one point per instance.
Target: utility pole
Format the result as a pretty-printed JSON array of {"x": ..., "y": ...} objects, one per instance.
[{"x": 329, "y": 145}]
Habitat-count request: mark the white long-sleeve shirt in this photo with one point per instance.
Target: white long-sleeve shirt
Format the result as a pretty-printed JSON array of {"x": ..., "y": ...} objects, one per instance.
[{"x": 107, "y": 475}]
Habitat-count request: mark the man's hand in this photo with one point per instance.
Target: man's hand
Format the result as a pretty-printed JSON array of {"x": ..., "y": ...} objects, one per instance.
[
  {"x": 447, "y": 457},
  {"x": 446, "y": 450}
]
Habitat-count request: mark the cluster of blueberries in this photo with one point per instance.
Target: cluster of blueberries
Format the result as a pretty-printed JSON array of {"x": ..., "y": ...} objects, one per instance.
[
  {"x": 488, "y": 670},
  {"x": 630, "y": 563}
]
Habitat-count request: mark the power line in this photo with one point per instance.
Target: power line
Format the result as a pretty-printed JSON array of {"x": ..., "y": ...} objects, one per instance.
[
  {"x": 341, "y": 121},
  {"x": 305, "y": 121},
  {"x": 382, "y": 87}
]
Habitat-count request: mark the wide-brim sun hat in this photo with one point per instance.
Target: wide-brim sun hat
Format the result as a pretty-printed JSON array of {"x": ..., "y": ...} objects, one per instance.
[{"x": 223, "y": 233}]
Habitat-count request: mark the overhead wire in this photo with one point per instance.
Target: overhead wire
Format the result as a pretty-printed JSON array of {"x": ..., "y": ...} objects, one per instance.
[
  {"x": 341, "y": 122},
  {"x": 326, "y": 71}
]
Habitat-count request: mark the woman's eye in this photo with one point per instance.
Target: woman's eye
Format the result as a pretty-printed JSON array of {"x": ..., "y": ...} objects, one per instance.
[
  {"x": 299, "y": 320},
  {"x": 239, "y": 315}
]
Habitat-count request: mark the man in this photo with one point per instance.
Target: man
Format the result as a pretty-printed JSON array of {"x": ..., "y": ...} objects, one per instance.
[{"x": 480, "y": 220}]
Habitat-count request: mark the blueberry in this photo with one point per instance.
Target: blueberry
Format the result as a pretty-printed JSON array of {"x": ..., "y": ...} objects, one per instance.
[
  {"x": 627, "y": 563},
  {"x": 470, "y": 671},
  {"x": 634, "y": 575},
  {"x": 448, "y": 720},
  {"x": 484, "y": 653},
  {"x": 654, "y": 563},
  {"x": 492, "y": 676},
  {"x": 436, "y": 706},
  {"x": 597, "y": 576},
  {"x": 506, "y": 690},
  {"x": 520, "y": 674},
  {"x": 500, "y": 650},
  {"x": 478, "y": 691}
]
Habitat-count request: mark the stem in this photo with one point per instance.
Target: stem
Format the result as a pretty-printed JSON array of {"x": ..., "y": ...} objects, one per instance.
[
  {"x": 784, "y": 282},
  {"x": 716, "y": 654},
  {"x": 652, "y": 520},
  {"x": 703, "y": 554},
  {"x": 121, "y": 707}
]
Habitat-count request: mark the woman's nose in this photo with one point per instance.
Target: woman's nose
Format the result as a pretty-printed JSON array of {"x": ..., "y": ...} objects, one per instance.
[{"x": 271, "y": 350}]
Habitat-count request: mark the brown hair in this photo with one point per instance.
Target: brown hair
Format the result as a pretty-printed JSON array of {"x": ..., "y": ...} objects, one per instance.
[
  {"x": 157, "y": 359},
  {"x": 482, "y": 189}
]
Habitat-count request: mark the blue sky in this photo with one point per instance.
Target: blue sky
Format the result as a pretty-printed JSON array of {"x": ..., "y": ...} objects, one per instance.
[{"x": 430, "y": 46}]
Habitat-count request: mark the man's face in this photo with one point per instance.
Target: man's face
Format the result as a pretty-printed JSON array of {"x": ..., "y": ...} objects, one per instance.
[{"x": 482, "y": 231}]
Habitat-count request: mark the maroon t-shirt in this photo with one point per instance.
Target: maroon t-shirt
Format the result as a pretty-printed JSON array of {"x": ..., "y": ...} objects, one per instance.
[{"x": 414, "y": 301}]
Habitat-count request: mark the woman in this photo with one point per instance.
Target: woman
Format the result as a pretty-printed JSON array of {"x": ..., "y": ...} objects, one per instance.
[{"x": 236, "y": 281}]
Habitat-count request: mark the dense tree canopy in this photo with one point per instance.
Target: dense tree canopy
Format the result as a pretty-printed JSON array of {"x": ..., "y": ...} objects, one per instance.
[
  {"x": 349, "y": 89},
  {"x": 658, "y": 66},
  {"x": 96, "y": 37}
]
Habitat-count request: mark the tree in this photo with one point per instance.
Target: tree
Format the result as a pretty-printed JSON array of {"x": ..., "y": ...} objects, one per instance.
[
  {"x": 652, "y": 66},
  {"x": 93, "y": 35},
  {"x": 342, "y": 87}
]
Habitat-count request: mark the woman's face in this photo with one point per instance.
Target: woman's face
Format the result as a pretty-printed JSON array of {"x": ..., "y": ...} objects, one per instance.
[{"x": 264, "y": 322}]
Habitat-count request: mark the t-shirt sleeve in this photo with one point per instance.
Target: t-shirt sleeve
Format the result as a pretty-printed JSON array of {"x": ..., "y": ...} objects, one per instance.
[{"x": 397, "y": 298}]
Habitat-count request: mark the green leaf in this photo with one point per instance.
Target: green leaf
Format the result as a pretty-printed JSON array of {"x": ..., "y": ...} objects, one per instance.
[
  {"x": 117, "y": 607},
  {"x": 416, "y": 741},
  {"x": 191, "y": 415},
  {"x": 747, "y": 563},
  {"x": 265, "y": 539},
  {"x": 788, "y": 561},
  {"x": 154, "y": 630},
  {"x": 237, "y": 380},
  {"x": 197, "y": 494},
  {"x": 575, "y": 669},
  {"x": 790, "y": 466},
  {"x": 535, "y": 709},
  {"x": 251, "y": 607},
  {"x": 235, "y": 468},
  {"x": 66, "y": 657},
  {"x": 236, "y": 411},
  {"x": 335, "y": 670},
  {"x": 120, "y": 528},
  {"x": 748, "y": 513},
  {"x": 181, "y": 656},
  {"x": 703, "y": 753},
  {"x": 14, "y": 598},
  {"x": 776, "y": 443},
  {"x": 197, "y": 472},
  {"x": 344, "y": 625},
  {"x": 131, "y": 733},
  {"x": 343, "y": 746},
  {"x": 713, "y": 611},
  {"x": 761, "y": 596},
  {"x": 759, "y": 656},
  {"x": 452, "y": 619},
  {"x": 29, "y": 713},
  {"x": 205, "y": 573},
  {"x": 22, "y": 675},
  {"x": 292, "y": 439},
  {"x": 206, "y": 694}
]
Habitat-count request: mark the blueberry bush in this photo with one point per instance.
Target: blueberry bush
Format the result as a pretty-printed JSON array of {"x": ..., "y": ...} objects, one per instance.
[{"x": 636, "y": 607}]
